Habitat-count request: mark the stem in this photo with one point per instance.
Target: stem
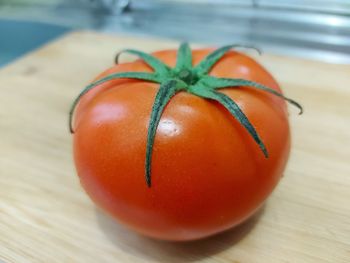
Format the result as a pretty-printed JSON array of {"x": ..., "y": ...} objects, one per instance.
[{"x": 194, "y": 80}]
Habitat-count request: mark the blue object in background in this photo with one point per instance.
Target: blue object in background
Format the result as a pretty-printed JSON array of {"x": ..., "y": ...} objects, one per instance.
[{"x": 20, "y": 37}]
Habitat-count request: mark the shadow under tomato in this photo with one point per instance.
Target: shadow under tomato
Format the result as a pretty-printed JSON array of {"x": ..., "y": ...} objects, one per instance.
[{"x": 165, "y": 251}]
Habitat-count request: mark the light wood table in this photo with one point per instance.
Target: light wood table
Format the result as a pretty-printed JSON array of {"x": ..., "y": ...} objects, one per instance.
[{"x": 46, "y": 217}]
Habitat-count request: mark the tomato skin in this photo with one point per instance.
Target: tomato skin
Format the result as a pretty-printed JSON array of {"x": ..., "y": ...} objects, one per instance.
[{"x": 208, "y": 174}]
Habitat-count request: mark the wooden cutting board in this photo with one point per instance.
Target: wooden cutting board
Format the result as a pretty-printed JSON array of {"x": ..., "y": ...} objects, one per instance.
[{"x": 46, "y": 217}]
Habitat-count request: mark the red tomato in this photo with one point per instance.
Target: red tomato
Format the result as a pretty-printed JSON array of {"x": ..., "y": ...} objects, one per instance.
[{"x": 208, "y": 173}]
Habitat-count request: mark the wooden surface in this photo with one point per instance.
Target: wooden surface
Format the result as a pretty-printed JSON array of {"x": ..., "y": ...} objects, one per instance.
[{"x": 46, "y": 217}]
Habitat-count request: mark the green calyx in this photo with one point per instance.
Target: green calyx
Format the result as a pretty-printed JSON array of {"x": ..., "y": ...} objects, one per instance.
[{"x": 192, "y": 79}]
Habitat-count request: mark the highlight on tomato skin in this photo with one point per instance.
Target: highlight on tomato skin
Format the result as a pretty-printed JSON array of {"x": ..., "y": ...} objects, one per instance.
[{"x": 181, "y": 144}]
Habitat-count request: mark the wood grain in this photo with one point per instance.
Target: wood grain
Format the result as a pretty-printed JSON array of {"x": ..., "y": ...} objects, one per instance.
[{"x": 46, "y": 217}]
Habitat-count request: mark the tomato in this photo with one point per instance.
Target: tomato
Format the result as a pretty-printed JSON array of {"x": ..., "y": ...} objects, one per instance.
[{"x": 208, "y": 172}]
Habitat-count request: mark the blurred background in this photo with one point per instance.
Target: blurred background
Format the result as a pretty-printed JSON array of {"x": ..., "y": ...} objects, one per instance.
[{"x": 317, "y": 29}]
